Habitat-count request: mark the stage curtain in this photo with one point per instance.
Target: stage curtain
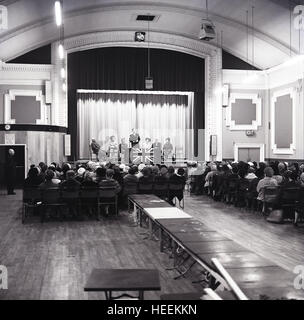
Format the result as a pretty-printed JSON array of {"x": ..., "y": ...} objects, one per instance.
[
  {"x": 101, "y": 115},
  {"x": 121, "y": 68}
]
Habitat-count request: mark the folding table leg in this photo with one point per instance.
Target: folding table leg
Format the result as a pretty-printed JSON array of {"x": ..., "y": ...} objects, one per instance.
[{"x": 141, "y": 295}]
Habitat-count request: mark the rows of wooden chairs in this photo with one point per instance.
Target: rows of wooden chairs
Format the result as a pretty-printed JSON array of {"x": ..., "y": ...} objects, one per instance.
[
  {"x": 242, "y": 192},
  {"x": 288, "y": 199},
  {"x": 57, "y": 198}
]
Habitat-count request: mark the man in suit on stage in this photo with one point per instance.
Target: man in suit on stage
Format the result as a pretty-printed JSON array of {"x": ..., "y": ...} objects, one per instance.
[
  {"x": 95, "y": 147},
  {"x": 134, "y": 139}
]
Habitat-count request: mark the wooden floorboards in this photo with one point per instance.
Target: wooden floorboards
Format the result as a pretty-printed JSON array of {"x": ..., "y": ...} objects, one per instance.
[
  {"x": 53, "y": 260},
  {"x": 282, "y": 244}
]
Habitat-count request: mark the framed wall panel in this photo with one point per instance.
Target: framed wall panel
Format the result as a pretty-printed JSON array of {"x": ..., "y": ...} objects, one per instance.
[
  {"x": 283, "y": 121},
  {"x": 244, "y": 112},
  {"x": 11, "y": 96}
]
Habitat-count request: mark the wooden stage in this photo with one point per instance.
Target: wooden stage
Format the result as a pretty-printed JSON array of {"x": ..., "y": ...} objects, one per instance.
[{"x": 53, "y": 260}]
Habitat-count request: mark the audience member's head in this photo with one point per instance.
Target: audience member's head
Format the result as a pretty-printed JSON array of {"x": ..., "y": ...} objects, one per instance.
[
  {"x": 135, "y": 168},
  {"x": 181, "y": 171},
  {"x": 43, "y": 167},
  {"x": 251, "y": 170},
  {"x": 132, "y": 171},
  {"x": 155, "y": 170},
  {"x": 110, "y": 174},
  {"x": 163, "y": 170},
  {"x": 33, "y": 172},
  {"x": 171, "y": 170},
  {"x": 49, "y": 175},
  {"x": 70, "y": 174},
  {"x": 66, "y": 167},
  {"x": 101, "y": 172},
  {"x": 81, "y": 171},
  {"x": 288, "y": 175},
  {"x": 146, "y": 172},
  {"x": 268, "y": 171}
]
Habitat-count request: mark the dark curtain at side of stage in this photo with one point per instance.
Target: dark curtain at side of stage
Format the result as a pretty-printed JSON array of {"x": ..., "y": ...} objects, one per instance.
[{"x": 121, "y": 68}]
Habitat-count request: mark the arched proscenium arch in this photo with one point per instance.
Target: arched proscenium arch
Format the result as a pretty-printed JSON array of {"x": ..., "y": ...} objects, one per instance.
[{"x": 211, "y": 54}]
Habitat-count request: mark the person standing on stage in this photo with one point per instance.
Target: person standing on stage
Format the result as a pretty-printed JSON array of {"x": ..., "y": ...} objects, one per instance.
[
  {"x": 147, "y": 145},
  {"x": 10, "y": 170},
  {"x": 95, "y": 147},
  {"x": 113, "y": 149},
  {"x": 123, "y": 151},
  {"x": 157, "y": 147},
  {"x": 168, "y": 149},
  {"x": 134, "y": 139}
]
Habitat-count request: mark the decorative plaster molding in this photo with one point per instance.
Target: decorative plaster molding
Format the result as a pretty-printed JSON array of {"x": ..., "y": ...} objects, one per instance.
[
  {"x": 22, "y": 82},
  {"x": 16, "y": 67},
  {"x": 242, "y": 96},
  {"x": 276, "y": 95},
  {"x": 11, "y": 96},
  {"x": 260, "y": 146}
]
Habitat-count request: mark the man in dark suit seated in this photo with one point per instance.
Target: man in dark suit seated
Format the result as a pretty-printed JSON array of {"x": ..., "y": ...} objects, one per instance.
[
  {"x": 177, "y": 179},
  {"x": 71, "y": 185},
  {"x": 109, "y": 182}
]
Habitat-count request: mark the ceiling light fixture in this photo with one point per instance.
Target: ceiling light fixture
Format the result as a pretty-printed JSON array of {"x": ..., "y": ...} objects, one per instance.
[{"x": 58, "y": 13}]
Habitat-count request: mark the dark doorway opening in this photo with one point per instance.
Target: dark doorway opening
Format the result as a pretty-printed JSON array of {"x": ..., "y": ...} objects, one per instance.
[{"x": 20, "y": 164}]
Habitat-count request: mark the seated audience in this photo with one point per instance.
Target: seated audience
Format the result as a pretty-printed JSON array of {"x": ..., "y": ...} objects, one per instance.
[
  {"x": 171, "y": 172},
  {"x": 179, "y": 180},
  {"x": 33, "y": 179},
  {"x": 267, "y": 181},
  {"x": 131, "y": 177},
  {"x": 80, "y": 174},
  {"x": 49, "y": 181},
  {"x": 251, "y": 174},
  {"x": 100, "y": 174},
  {"x": 109, "y": 182}
]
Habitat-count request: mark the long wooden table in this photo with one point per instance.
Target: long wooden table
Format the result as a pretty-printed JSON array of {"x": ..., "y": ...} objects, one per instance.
[{"x": 257, "y": 277}]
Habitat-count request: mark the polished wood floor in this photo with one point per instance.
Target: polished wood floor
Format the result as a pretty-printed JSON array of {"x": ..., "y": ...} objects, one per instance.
[{"x": 54, "y": 259}]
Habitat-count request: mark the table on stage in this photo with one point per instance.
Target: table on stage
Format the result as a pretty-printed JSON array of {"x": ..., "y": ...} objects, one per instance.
[{"x": 123, "y": 280}]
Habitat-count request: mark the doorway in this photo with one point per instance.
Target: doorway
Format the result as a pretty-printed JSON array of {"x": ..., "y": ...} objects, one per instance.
[{"x": 249, "y": 152}]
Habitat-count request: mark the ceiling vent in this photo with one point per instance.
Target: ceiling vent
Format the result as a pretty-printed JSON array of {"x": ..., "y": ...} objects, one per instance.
[{"x": 145, "y": 17}]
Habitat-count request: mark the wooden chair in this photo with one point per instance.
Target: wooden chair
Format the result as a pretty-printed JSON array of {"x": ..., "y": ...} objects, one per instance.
[
  {"x": 289, "y": 199},
  {"x": 176, "y": 191},
  {"x": 271, "y": 197},
  {"x": 128, "y": 189},
  {"x": 51, "y": 198},
  {"x": 89, "y": 197},
  {"x": 145, "y": 188},
  {"x": 107, "y": 196},
  {"x": 70, "y": 197},
  {"x": 232, "y": 189},
  {"x": 161, "y": 189},
  {"x": 31, "y": 199}
]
